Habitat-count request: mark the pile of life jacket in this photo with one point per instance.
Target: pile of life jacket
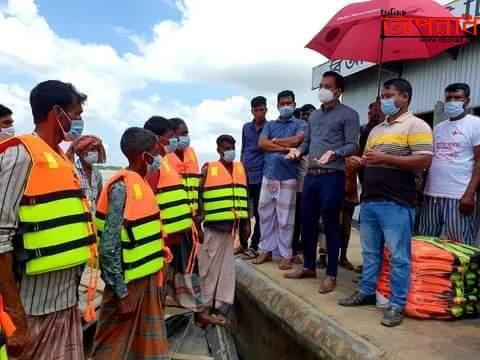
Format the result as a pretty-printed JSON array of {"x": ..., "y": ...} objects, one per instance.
[{"x": 445, "y": 280}]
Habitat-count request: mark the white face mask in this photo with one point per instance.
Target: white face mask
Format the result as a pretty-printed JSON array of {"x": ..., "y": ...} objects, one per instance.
[
  {"x": 6, "y": 133},
  {"x": 91, "y": 157},
  {"x": 325, "y": 95}
]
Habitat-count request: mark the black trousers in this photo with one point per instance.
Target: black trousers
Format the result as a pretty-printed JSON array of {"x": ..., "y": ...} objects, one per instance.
[{"x": 254, "y": 195}]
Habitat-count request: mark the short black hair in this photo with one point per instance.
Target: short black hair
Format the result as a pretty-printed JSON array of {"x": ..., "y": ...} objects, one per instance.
[
  {"x": 5, "y": 111},
  {"x": 258, "y": 101},
  {"x": 459, "y": 86},
  {"x": 371, "y": 105},
  {"x": 401, "y": 85},
  {"x": 47, "y": 94},
  {"x": 296, "y": 113},
  {"x": 136, "y": 140},
  {"x": 307, "y": 107},
  {"x": 339, "y": 79},
  {"x": 176, "y": 122},
  {"x": 225, "y": 138},
  {"x": 284, "y": 94},
  {"x": 158, "y": 125}
]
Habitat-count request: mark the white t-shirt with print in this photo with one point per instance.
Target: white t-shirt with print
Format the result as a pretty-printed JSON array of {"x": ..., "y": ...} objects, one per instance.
[{"x": 454, "y": 158}]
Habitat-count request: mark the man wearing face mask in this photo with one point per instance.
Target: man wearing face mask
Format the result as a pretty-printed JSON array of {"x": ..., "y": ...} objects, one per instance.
[
  {"x": 332, "y": 135},
  {"x": 6, "y": 123},
  {"x": 185, "y": 161},
  {"x": 453, "y": 179},
  {"x": 88, "y": 150},
  {"x": 183, "y": 281},
  {"x": 396, "y": 149},
  {"x": 224, "y": 210},
  {"x": 41, "y": 192},
  {"x": 279, "y": 184}
]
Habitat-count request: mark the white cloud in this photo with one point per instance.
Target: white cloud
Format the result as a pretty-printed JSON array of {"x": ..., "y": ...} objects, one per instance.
[{"x": 251, "y": 46}]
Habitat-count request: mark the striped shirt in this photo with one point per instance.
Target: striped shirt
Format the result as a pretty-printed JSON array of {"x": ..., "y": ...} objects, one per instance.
[
  {"x": 407, "y": 135},
  {"x": 93, "y": 188},
  {"x": 40, "y": 294}
]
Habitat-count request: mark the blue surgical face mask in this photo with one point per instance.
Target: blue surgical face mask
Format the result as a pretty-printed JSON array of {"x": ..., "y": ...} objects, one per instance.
[
  {"x": 155, "y": 165},
  {"x": 286, "y": 111},
  {"x": 388, "y": 107},
  {"x": 229, "y": 155},
  {"x": 172, "y": 146},
  {"x": 91, "y": 157},
  {"x": 76, "y": 128},
  {"x": 183, "y": 142},
  {"x": 454, "y": 109}
]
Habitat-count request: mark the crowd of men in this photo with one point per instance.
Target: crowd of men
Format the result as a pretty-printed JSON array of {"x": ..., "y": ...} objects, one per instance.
[
  {"x": 304, "y": 168},
  {"x": 162, "y": 230}
]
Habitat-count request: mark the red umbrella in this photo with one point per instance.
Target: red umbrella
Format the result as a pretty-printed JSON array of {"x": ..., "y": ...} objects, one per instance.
[{"x": 359, "y": 31}]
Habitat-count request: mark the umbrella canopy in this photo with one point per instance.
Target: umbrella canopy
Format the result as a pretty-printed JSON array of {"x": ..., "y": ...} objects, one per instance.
[{"x": 355, "y": 32}]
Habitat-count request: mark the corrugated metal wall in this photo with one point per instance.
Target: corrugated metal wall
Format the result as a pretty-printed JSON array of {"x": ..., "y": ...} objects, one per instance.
[{"x": 428, "y": 79}]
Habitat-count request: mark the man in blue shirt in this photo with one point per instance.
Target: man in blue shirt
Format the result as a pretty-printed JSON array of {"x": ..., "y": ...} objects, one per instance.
[
  {"x": 279, "y": 183},
  {"x": 253, "y": 159}
]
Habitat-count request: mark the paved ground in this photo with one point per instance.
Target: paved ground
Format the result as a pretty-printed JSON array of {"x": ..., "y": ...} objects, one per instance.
[{"x": 416, "y": 339}]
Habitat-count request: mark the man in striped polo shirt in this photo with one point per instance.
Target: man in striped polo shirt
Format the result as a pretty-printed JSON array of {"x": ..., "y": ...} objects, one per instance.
[{"x": 395, "y": 150}]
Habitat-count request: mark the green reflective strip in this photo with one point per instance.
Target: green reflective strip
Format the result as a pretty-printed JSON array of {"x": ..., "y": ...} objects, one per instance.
[
  {"x": 50, "y": 210},
  {"x": 240, "y": 192},
  {"x": 224, "y": 216},
  {"x": 140, "y": 252},
  {"x": 64, "y": 260},
  {"x": 174, "y": 211},
  {"x": 55, "y": 236},
  {"x": 193, "y": 181},
  {"x": 3, "y": 353},
  {"x": 100, "y": 224},
  {"x": 141, "y": 231},
  {"x": 171, "y": 196},
  {"x": 150, "y": 268},
  {"x": 225, "y": 204},
  {"x": 178, "y": 226},
  {"x": 147, "y": 229},
  {"x": 217, "y": 193}
]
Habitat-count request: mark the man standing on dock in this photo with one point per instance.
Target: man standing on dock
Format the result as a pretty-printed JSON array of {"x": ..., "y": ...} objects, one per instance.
[
  {"x": 279, "y": 184},
  {"x": 332, "y": 135},
  {"x": 396, "y": 149}
]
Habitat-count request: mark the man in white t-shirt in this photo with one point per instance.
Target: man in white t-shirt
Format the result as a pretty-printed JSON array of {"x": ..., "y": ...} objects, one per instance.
[{"x": 453, "y": 179}]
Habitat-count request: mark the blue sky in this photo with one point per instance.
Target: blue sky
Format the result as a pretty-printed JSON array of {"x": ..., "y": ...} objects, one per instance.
[{"x": 202, "y": 60}]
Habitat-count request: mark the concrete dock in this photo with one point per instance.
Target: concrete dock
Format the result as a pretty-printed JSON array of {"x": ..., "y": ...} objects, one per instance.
[{"x": 322, "y": 329}]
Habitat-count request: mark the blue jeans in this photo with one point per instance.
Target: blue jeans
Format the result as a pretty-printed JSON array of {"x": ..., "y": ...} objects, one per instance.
[
  {"x": 322, "y": 195},
  {"x": 386, "y": 223}
]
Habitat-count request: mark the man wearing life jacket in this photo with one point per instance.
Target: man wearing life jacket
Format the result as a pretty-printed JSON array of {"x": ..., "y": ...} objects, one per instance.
[
  {"x": 47, "y": 234},
  {"x": 131, "y": 247},
  {"x": 185, "y": 161},
  {"x": 183, "y": 282},
  {"x": 224, "y": 208}
]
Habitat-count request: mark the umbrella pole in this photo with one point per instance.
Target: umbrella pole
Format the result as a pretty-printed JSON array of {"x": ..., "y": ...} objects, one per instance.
[{"x": 382, "y": 37}]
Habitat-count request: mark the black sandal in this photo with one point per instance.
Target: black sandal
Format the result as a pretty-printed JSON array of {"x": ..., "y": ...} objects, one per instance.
[{"x": 249, "y": 254}]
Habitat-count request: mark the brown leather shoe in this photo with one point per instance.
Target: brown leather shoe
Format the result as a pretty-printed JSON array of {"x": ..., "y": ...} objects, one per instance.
[
  {"x": 285, "y": 264},
  {"x": 327, "y": 285},
  {"x": 262, "y": 258},
  {"x": 301, "y": 274}
]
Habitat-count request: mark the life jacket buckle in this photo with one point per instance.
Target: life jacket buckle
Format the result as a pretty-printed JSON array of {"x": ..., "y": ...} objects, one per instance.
[
  {"x": 36, "y": 227},
  {"x": 38, "y": 253}
]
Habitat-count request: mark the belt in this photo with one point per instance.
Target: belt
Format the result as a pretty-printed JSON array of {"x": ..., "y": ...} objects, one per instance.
[{"x": 321, "y": 171}]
